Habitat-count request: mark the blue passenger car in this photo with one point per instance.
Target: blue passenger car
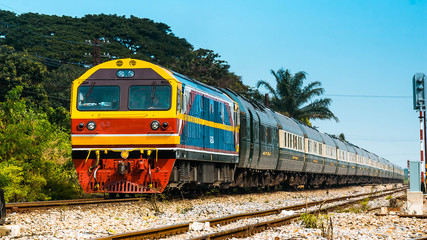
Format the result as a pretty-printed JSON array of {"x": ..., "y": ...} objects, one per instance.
[{"x": 209, "y": 121}]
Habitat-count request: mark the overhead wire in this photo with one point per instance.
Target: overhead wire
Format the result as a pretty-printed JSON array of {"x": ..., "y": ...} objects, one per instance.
[
  {"x": 364, "y": 96},
  {"x": 87, "y": 43},
  {"x": 4, "y": 5},
  {"x": 47, "y": 36},
  {"x": 47, "y": 61},
  {"x": 31, "y": 59}
]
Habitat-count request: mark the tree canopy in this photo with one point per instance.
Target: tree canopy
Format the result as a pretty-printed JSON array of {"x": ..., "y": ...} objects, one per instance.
[
  {"x": 56, "y": 41},
  {"x": 290, "y": 97}
]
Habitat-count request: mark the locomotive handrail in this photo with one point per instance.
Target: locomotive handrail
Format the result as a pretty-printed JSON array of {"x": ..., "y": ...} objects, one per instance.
[{"x": 130, "y": 150}]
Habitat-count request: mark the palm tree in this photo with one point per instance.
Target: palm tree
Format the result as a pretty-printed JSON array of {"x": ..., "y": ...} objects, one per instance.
[{"x": 291, "y": 98}]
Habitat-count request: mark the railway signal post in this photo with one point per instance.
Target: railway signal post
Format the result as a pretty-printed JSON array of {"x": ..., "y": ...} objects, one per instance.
[{"x": 418, "y": 84}]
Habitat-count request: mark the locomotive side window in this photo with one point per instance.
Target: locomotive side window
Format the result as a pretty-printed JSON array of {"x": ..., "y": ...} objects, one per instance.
[
  {"x": 102, "y": 98},
  {"x": 149, "y": 97},
  {"x": 179, "y": 104}
]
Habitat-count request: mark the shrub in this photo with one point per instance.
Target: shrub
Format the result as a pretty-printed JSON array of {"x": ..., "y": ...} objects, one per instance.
[{"x": 35, "y": 155}]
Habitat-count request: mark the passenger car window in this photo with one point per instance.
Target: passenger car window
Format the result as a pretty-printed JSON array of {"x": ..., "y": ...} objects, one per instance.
[{"x": 100, "y": 98}]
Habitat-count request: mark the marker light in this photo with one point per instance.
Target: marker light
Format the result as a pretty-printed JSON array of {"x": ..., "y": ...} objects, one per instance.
[
  {"x": 165, "y": 125},
  {"x": 125, "y": 73},
  {"x": 155, "y": 125},
  {"x": 91, "y": 125},
  {"x": 124, "y": 154},
  {"x": 81, "y": 126}
]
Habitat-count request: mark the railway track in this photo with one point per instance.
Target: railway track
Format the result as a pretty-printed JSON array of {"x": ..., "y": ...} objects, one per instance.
[
  {"x": 23, "y": 206},
  {"x": 13, "y": 207},
  {"x": 249, "y": 229}
]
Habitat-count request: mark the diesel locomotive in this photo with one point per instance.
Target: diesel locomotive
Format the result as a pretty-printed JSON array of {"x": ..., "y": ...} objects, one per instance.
[{"x": 140, "y": 128}]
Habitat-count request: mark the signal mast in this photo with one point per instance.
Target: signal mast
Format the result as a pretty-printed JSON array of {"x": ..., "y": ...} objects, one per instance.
[{"x": 419, "y": 97}]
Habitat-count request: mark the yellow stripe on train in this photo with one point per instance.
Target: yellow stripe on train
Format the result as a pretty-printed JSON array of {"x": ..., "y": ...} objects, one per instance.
[
  {"x": 207, "y": 123},
  {"x": 123, "y": 140}
]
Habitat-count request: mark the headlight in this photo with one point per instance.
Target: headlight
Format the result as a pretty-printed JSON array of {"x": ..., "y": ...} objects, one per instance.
[
  {"x": 124, "y": 154},
  {"x": 155, "y": 125},
  {"x": 91, "y": 125},
  {"x": 125, "y": 73}
]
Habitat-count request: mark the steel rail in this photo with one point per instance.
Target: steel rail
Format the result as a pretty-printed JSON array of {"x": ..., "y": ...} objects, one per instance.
[
  {"x": 403, "y": 215},
  {"x": 48, "y": 204},
  {"x": 184, "y": 227},
  {"x": 251, "y": 229}
]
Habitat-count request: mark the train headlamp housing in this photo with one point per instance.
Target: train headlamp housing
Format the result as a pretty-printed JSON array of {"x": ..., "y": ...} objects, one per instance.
[
  {"x": 155, "y": 125},
  {"x": 125, "y": 73},
  {"x": 91, "y": 125},
  {"x": 124, "y": 154},
  {"x": 81, "y": 126}
]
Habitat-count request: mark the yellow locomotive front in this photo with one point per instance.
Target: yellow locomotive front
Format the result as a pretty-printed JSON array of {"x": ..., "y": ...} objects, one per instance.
[{"x": 125, "y": 127}]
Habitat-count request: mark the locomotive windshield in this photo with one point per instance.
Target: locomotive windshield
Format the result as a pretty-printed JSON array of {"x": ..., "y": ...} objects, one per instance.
[
  {"x": 150, "y": 97},
  {"x": 98, "y": 97}
]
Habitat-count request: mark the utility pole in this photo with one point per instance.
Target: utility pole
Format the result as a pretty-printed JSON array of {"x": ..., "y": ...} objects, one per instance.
[{"x": 96, "y": 51}]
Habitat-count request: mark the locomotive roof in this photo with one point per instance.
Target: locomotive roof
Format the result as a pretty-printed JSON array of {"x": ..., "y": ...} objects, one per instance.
[{"x": 201, "y": 86}]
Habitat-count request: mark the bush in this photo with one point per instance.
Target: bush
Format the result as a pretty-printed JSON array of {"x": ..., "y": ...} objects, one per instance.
[{"x": 35, "y": 155}]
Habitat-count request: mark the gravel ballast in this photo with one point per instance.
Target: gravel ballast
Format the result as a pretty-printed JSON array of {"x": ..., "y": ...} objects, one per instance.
[{"x": 92, "y": 221}]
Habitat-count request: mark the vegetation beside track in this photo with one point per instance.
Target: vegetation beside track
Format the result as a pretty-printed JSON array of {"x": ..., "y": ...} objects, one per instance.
[{"x": 41, "y": 55}]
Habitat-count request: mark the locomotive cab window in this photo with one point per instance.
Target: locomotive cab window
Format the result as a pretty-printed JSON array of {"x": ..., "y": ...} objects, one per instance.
[
  {"x": 102, "y": 98},
  {"x": 149, "y": 97}
]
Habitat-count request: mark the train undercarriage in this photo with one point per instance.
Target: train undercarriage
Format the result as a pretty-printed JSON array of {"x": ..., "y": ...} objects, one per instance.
[
  {"x": 195, "y": 175},
  {"x": 149, "y": 171}
]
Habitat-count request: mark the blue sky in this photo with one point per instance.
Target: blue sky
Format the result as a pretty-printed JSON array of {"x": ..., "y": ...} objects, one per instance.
[{"x": 364, "y": 48}]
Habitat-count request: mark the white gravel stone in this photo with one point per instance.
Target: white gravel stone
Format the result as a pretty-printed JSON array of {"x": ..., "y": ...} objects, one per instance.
[{"x": 92, "y": 221}]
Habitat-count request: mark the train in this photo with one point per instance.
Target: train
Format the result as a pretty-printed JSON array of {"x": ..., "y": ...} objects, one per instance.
[{"x": 138, "y": 127}]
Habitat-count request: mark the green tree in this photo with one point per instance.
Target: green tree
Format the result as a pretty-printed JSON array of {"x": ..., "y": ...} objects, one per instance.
[
  {"x": 35, "y": 156},
  {"x": 58, "y": 82},
  {"x": 341, "y": 137},
  {"x": 291, "y": 98},
  {"x": 205, "y": 65},
  {"x": 56, "y": 40},
  {"x": 17, "y": 69}
]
